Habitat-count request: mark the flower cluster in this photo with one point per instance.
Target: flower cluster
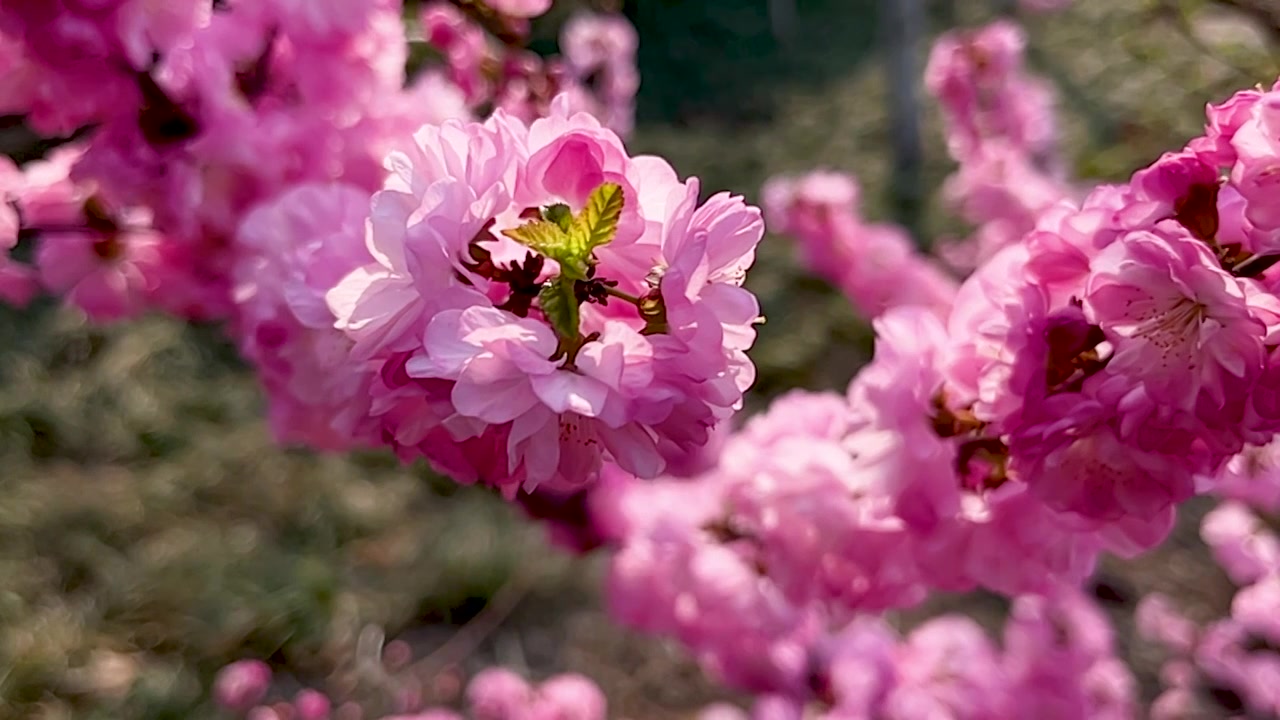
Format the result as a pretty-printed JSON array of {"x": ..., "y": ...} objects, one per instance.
[
  {"x": 1232, "y": 664},
  {"x": 812, "y": 516},
  {"x": 1000, "y": 128},
  {"x": 525, "y": 304},
  {"x": 597, "y": 70},
  {"x": 189, "y": 115},
  {"x": 1114, "y": 361},
  {"x": 228, "y": 168},
  {"x": 1097, "y": 366},
  {"x": 538, "y": 301},
  {"x": 875, "y": 265},
  {"x": 1057, "y": 661},
  {"x": 243, "y": 688}
]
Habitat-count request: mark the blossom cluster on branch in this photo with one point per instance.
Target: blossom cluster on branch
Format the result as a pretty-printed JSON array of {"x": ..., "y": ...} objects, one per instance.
[
  {"x": 187, "y": 115},
  {"x": 470, "y": 267},
  {"x": 244, "y": 689},
  {"x": 1110, "y": 361}
]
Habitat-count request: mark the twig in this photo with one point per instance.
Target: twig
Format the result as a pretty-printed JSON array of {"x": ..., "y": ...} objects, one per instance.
[
  {"x": 490, "y": 21},
  {"x": 1170, "y": 10},
  {"x": 469, "y": 637},
  {"x": 1265, "y": 12},
  {"x": 1101, "y": 121}
]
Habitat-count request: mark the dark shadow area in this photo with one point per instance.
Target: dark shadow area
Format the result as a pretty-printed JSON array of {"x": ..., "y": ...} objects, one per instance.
[{"x": 718, "y": 60}]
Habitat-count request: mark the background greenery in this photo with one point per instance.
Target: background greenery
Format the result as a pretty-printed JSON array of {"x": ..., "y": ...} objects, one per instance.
[{"x": 150, "y": 531}]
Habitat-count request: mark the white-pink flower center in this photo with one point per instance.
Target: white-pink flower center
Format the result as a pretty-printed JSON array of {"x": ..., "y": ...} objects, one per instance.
[{"x": 1173, "y": 329}]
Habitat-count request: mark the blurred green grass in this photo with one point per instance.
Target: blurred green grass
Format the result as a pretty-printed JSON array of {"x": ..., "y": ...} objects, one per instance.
[{"x": 150, "y": 531}]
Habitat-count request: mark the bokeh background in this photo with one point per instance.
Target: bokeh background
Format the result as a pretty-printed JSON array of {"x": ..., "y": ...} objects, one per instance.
[{"x": 151, "y": 532}]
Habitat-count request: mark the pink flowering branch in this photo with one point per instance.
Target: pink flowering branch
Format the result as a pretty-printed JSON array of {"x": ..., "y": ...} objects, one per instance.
[
  {"x": 525, "y": 304},
  {"x": 875, "y": 265}
]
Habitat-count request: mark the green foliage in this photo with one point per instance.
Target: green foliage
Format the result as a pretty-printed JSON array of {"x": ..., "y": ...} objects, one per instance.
[
  {"x": 560, "y": 305},
  {"x": 559, "y": 214},
  {"x": 597, "y": 224},
  {"x": 571, "y": 240}
]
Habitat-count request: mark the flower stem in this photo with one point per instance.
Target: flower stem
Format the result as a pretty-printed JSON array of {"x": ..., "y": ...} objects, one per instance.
[
  {"x": 623, "y": 296},
  {"x": 1255, "y": 265}
]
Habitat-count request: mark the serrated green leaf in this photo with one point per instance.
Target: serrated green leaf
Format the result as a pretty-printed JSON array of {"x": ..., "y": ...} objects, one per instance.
[
  {"x": 543, "y": 237},
  {"x": 547, "y": 239},
  {"x": 597, "y": 224},
  {"x": 560, "y": 305},
  {"x": 570, "y": 240},
  {"x": 560, "y": 214}
]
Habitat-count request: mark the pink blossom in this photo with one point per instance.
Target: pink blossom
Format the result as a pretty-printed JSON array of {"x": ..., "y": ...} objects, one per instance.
[
  {"x": 1256, "y": 607},
  {"x": 1158, "y": 621},
  {"x": 103, "y": 259},
  {"x": 893, "y": 402},
  {"x": 107, "y": 276},
  {"x": 293, "y": 251},
  {"x": 241, "y": 685},
  {"x": 1009, "y": 350},
  {"x": 672, "y": 581},
  {"x": 1174, "y": 704},
  {"x": 441, "y": 235},
  {"x": 501, "y": 372},
  {"x": 317, "y": 21},
  {"x": 17, "y": 281},
  {"x": 875, "y": 265},
  {"x": 1059, "y": 657},
  {"x": 1256, "y": 173},
  {"x": 463, "y": 44},
  {"x": 572, "y": 697},
  {"x": 1226, "y": 658},
  {"x": 234, "y": 107},
  {"x": 1252, "y": 477},
  {"x": 948, "y": 665},
  {"x": 77, "y": 62},
  {"x": 498, "y": 694},
  {"x": 973, "y": 549},
  {"x": 850, "y": 548},
  {"x": 600, "y": 54},
  {"x": 1181, "y": 325},
  {"x": 520, "y": 8},
  {"x": 1076, "y": 461},
  {"x": 1179, "y": 186},
  {"x": 977, "y": 77},
  {"x": 1240, "y": 542},
  {"x": 1224, "y": 121},
  {"x": 311, "y": 705},
  {"x": 722, "y": 711},
  {"x": 810, "y": 206},
  {"x": 857, "y": 665},
  {"x": 623, "y": 507},
  {"x": 1067, "y": 237},
  {"x": 1000, "y": 190}
]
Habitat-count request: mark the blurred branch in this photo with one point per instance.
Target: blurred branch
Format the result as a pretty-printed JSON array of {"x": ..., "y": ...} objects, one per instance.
[
  {"x": 901, "y": 28},
  {"x": 1005, "y": 7},
  {"x": 1101, "y": 120},
  {"x": 1170, "y": 10},
  {"x": 470, "y": 636},
  {"x": 1265, "y": 12},
  {"x": 491, "y": 21}
]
